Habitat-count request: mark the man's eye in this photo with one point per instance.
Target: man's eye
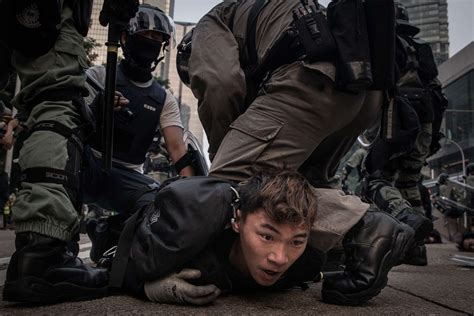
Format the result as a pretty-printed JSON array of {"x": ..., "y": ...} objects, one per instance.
[
  {"x": 298, "y": 242},
  {"x": 266, "y": 237}
]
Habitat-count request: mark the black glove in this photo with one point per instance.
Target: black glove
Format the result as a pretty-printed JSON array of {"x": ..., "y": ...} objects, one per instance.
[{"x": 121, "y": 11}]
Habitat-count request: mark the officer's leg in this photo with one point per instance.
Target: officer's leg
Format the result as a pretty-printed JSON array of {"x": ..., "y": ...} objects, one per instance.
[
  {"x": 407, "y": 183},
  {"x": 410, "y": 168},
  {"x": 322, "y": 165},
  {"x": 42, "y": 269},
  {"x": 119, "y": 190},
  {"x": 299, "y": 109}
]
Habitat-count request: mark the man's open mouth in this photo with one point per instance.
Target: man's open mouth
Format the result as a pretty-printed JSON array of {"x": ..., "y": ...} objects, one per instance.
[{"x": 270, "y": 272}]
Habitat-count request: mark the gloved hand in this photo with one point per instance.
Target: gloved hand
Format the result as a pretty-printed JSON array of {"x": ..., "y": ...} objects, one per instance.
[
  {"x": 119, "y": 10},
  {"x": 175, "y": 289}
]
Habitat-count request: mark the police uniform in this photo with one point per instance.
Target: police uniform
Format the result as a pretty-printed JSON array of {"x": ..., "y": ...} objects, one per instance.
[
  {"x": 394, "y": 188},
  {"x": 299, "y": 119},
  {"x": 151, "y": 109},
  {"x": 50, "y": 159}
]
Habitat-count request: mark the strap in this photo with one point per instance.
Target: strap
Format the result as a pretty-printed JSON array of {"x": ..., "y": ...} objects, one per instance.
[
  {"x": 183, "y": 162},
  {"x": 119, "y": 265},
  {"x": 252, "y": 31},
  {"x": 56, "y": 95},
  {"x": 49, "y": 175},
  {"x": 61, "y": 129}
]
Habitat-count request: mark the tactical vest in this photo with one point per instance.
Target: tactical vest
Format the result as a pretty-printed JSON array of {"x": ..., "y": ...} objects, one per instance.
[
  {"x": 136, "y": 125},
  {"x": 417, "y": 68}
]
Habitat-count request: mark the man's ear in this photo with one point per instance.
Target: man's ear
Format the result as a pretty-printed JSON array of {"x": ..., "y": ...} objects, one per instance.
[{"x": 235, "y": 222}]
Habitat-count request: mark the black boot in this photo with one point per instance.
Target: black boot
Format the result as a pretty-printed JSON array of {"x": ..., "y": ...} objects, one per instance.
[
  {"x": 376, "y": 244},
  {"x": 43, "y": 270},
  {"x": 420, "y": 224},
  {"x": 104, "y": 233}
]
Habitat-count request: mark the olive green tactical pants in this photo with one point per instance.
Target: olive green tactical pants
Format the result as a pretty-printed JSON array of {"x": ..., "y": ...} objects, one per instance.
[
  {"x": 46, "y": 208},
  {"x": 397, "y": 187}
]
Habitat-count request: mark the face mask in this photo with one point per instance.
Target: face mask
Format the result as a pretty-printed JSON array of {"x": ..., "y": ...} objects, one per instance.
[{"x": 142, "y": 50}]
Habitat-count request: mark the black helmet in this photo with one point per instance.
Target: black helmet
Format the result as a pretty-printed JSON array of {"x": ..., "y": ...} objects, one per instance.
[
  {"x": 442, "y": 178},
  {"x": 182, "y": 57},
  {"x": 403, "y": 22},
  {"x": 150, "y": 18}
]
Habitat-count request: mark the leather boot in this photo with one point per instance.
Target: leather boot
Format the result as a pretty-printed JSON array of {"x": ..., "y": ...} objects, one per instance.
[
  {"x": 43, "y": 270},
  {"x": 104, "y": 233},
  {"x": 373, "y": 246}
]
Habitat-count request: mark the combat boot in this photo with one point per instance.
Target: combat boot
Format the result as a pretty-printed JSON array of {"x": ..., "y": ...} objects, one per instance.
[
  {"x": 104, "y": 233},
  {"x": 373, "y": 246},
  {"x": 43, "y": 270}
]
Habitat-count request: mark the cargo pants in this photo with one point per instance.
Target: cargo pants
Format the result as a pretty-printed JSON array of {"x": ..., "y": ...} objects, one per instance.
[
  {"x": 40, "y": 207},
  {"x": 395, "y": 188}
]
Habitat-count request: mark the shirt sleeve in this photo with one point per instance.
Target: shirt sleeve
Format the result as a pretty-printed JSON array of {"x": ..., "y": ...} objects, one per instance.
[
  {"x": 96, "y": 75},
  {"x": 170, "y": 115}
]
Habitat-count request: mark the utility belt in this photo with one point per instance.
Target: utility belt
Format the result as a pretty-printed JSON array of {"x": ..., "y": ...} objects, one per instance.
[
  {"x": 33, "y": 24},
  {"x": 347, "y": 36}
]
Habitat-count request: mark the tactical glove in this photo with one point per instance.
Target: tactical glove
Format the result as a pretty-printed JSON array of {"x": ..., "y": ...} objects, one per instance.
[
  {"x": 174, "y": 288},
  {"x": 121, "y": 11}
]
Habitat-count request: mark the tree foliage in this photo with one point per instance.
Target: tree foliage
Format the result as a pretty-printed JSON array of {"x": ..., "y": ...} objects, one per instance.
[{"x": 89, "y": 46}]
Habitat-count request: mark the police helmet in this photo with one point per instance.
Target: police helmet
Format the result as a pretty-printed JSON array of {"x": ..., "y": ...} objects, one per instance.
[
  {"x": 442, "y": 178},
  {"x": 182, "y": 57},
  {"x": 151, "y": 18},
  {"x": 403, "y": 22}
]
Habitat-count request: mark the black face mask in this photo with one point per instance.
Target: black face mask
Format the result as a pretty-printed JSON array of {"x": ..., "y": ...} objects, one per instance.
[{"x": 142, "y": 50}]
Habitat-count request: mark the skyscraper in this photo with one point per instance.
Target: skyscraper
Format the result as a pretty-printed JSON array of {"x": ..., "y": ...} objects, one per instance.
[{"x": 431, "y": 16}]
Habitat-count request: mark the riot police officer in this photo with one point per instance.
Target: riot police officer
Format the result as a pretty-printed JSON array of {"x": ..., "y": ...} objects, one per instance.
[
  {"x": 46, "y": 40},
  {"x": 143, "y": 109},
  {"x": 393, "y": 185}
]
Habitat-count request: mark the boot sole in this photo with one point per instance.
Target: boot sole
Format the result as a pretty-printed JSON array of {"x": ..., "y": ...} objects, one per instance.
[
  {"x": 35, "y": 290},
  {"x": 404, "y": 239}
]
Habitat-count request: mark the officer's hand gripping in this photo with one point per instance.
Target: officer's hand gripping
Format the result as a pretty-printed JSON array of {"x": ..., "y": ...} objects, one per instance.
[{"x": 174, "y": 288}]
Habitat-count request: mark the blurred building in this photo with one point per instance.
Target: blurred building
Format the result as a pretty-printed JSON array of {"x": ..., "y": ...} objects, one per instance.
[
  {"x": 457, "y": 78},
  {"x": 431, "y": 16}
]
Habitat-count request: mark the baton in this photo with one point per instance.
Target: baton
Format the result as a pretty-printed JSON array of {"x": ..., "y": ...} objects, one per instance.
[{"x": 108, "y": 110}]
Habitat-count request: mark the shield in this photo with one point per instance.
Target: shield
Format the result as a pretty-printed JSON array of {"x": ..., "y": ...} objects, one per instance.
[{"x": 200, "y": 165}]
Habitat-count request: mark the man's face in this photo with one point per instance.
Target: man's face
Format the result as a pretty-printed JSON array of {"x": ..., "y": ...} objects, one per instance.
[{"x": 268, "y": 249}]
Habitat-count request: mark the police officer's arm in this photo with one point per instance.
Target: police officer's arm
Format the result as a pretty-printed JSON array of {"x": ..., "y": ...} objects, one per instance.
[
  {"x": 172, "y": 131},
  {"x": 176, "y": 147}
]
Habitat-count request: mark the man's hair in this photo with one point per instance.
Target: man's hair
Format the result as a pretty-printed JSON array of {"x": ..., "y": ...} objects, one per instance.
[{"x": 284, "y": 195}]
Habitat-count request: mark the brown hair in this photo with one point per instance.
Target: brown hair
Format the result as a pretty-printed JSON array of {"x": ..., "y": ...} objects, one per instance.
[{"x": 285, "y": 196}]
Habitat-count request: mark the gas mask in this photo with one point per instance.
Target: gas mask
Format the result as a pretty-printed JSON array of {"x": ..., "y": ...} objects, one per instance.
[{"x": 142, "y": 50}]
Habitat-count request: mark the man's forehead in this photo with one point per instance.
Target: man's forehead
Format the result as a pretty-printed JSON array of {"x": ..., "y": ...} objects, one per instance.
[{"x": 266, "y": 221}]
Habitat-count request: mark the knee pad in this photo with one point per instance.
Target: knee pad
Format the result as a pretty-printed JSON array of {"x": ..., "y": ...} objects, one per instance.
[{"x": 69, "y": 177}]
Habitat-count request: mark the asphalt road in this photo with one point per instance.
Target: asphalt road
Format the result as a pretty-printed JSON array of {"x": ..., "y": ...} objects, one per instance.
[{"x": 444, "y": 287}]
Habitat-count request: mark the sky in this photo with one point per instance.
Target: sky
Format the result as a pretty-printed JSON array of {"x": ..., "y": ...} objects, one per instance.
[{"x": 460, "y": 18}]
